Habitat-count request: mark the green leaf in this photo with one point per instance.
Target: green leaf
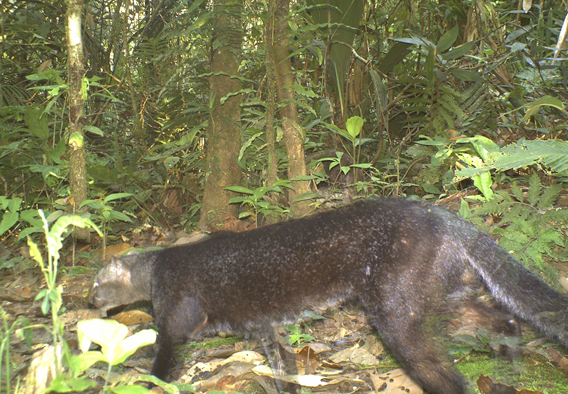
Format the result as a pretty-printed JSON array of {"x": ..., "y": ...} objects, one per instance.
[
  {"x": 546, "y": 101},
  {"x": 398, "y": 52},
  {"x": 483, "y": 146},
  {"x": 115, "y": 215},
  {"x": 465, "y": 211},
  {"x": 67, "y": 384},
  {"x": 517, "y": 192},
  {"x": 95, "y": 204},
  {"x": 36, "y": 255},
  {"x": 548, "y": 197},
  {"x": 307, "y": 196},
  {"x": 87, "y": 359},
  {"x": 244, "y": 214},
  {"x": 448, "y": 39},
  {"x": 466, "y": 75},
  {"x": 237, "y": 200},
  {"x": 14, "y": 204},
  {"x": 117, "y": 196},
  {"x": 458, "y": 51},
  {"x": 130, "y": 389},
  {"x": 94, "y": 130},
  {"x": 112, "y": 337},
  {"x": 361, "y": 165},
  {"x": 8, "y": 220},
  {"x": 354, "y": 125},
  {"x": 535, "y": 187},
  {"x": 239, "y": 189},
  {"x": 37, "y": 124}
]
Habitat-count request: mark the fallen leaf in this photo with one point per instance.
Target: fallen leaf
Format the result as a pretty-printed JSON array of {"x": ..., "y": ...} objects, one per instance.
[
  {"x": 395, "y": 382},
  {"x": 488, "y": 386},
  {"x": 558, "y": 359},
  {"x": 356, "y": 355},
  {"x": 130, "y": 318}
]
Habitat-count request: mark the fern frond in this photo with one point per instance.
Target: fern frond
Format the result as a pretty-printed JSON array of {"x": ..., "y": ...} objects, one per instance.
[
  {"x": 534, "y": 189},
  {"x": 549, "y": 196}
]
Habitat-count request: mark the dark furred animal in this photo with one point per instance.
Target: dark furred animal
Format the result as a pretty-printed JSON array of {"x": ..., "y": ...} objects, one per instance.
[{"x": 400, "y": 258}]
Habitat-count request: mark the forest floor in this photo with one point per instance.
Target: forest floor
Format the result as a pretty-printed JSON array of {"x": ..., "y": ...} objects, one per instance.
[{"x": 335, "y": 352}]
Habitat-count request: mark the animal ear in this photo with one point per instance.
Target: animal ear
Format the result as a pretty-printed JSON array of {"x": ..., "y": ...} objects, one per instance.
[{"x": 116, "y": 267}]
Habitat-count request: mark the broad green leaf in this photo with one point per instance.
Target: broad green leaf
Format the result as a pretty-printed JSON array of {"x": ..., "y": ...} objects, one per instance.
[
  {"x": 354, "y": 125},
  {"x": 244, "y": 214},
  {"x": 465, "y": 211},
  {"x": 171, "y": 161},
  {"x": 53, "y": 216},
  {"x": 239, "y": 189},
  {"x": 237, "y": 200},
  {"x": 14, "y": 204},
  {"x": 37, "y": 124},
  {"x": 448, "y": 39},
  {"x": 69, "y": 384},
  {"x": 546, "y": 101},
  {"x": 96, "y": 205},
  {"x": 94, "y": 130},
  {"x": 380, "y": 91},
  {"x": 303, "y": 178},
  {"x": 8, "y": 220},
  {"x": 420, "y": 41},
  {"x": 398, "y": 52},
  {"x": 129, "y": 346},
  {"x": 458, "y": 51},
  {"x": 115, "y": 215},
  {"x": 466, "y": 75},
  {"x": 483, "y": 146},
  {"x": 88, "y": 358},
  {"x": 307, "y": 196},
  {"x": 117, "y": 196},
  {"x": 130, "y": 389},
  {"x": 112, "y": 337}
]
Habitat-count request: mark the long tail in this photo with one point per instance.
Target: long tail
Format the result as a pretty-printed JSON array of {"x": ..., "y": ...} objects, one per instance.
[{"x": 518, "y": 289}]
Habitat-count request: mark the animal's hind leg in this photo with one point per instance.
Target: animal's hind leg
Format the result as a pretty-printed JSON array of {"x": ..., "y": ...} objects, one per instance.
[
  {"x": 403, "y": 334},
  {"x": 499, "y": 322},
  {"x": 282, "y": 362}
]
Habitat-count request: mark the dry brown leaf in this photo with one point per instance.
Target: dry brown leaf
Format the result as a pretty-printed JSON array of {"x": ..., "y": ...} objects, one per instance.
[
  {"x": 306, "y": 380},
  {"x": 133, "y": 317},
  {"x": 308, "y": 360},
  {"x": 355, "y": 355},
  {"x": 395, "y": 382},
  {"x": 558, "y": 359},
  {"x": 114, "y": 250},
  {"x": 488, "y": 386}
]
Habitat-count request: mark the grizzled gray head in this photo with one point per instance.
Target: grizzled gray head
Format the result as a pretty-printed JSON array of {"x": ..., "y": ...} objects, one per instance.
[{"x": 120, "y": 282}]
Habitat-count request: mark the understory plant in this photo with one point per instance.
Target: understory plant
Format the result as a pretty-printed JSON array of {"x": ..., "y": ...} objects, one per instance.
[{"x": 109, "y": 334}]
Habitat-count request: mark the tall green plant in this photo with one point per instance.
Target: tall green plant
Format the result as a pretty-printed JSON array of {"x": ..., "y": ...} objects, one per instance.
[
  {"x": 5, "y": 331},
  {"x": 52, "y": 300}
]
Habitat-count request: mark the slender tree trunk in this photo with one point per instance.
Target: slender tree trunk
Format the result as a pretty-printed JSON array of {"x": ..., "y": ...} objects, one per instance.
[
  {"x": 78, "y": 171},
  {"x": 293, "y": 134},
  {"x": 224, "y": 133},
  {"x": 272, "y": 157}
]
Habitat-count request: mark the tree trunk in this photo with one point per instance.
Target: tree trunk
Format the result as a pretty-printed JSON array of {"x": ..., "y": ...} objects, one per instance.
[
  {"x": 224, "y": 133},
  {"x": 272, "y": 157},
  {"x": 78, "y": 172},
  {"x": 293, "y": 133}
]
